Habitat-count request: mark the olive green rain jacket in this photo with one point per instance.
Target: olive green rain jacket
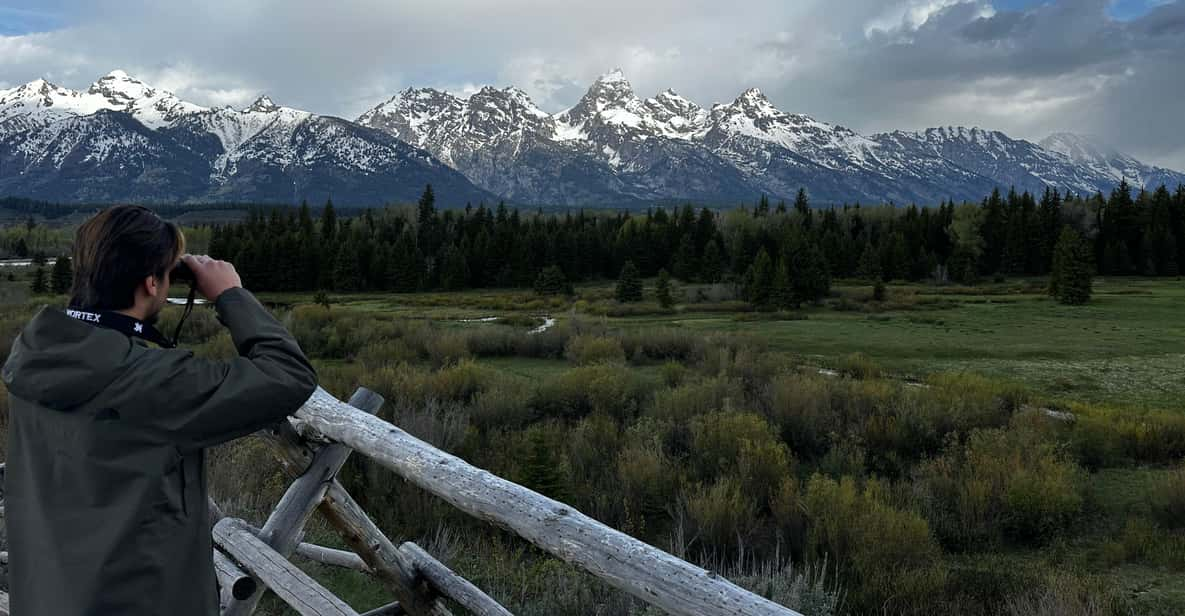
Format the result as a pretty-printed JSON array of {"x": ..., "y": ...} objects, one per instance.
[{"x": 106, "y": 481}]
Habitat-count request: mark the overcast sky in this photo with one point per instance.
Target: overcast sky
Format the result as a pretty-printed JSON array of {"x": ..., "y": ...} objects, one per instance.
[{"x": 1115, "y": 68}]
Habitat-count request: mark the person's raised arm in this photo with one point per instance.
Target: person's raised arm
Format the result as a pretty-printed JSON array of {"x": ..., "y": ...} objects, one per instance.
[{"x": 201, "y": 402}]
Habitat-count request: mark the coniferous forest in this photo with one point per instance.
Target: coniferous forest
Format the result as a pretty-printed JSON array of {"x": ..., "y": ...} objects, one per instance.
[{"x": 780, "y": 254}]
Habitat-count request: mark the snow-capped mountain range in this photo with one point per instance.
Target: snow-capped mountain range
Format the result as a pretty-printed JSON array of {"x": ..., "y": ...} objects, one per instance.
[{"x": 124, "y": 140}]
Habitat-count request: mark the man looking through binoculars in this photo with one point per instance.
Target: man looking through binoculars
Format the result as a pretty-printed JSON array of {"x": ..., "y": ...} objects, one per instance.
[{"x": 105, "y": 478}]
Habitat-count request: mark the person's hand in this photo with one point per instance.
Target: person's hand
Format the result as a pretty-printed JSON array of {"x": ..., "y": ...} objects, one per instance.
[{"x": 212, "y": 276}]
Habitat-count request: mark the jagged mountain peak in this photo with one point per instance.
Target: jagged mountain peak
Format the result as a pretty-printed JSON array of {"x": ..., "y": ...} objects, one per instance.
[
  {"x": 511, "y": 99},
  {"x": 120, "y": 88},
  {"x": 615, "y": 75},
  {"x": 680, "y": 115},
  {"x": 263, "y": 104}
]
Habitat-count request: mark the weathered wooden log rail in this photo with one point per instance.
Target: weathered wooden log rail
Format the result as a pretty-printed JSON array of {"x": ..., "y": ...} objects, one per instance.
[{"x": 312, "y": 446}]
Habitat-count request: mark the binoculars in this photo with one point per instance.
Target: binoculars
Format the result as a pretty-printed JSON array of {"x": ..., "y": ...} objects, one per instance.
[{"x": 182, "y": 273}]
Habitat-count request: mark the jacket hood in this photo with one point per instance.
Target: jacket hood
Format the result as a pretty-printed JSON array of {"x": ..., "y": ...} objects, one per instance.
[{"x": 60, "y": 362}]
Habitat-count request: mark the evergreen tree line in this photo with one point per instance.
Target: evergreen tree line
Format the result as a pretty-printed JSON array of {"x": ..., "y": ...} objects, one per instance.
[{"x": 776, "y": 254}]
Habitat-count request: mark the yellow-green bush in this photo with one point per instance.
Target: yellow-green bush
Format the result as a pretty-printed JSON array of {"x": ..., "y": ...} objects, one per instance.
[
  {"x": 445, "y": 348},
  {"x": 697, "y": 398},
  {"x": 585, "y": 350},
  {"x": 1000, "y": 484},
  {"x": 1137, "y": 434},
  {"x": 801, "y": 408},
  {"x": 744, "y": 446},
  {"x": 505, "y": 404},
  {"x": 649, "y": 484},
  {"x": 410, "y": 384},
  {"x": 723, "y": 514},
  {"x": 614, "y": 390},
  {"x": 858, "y": 366},
  {"x": 891, "y": 553},
  {"x": 1167, "y": 500}
]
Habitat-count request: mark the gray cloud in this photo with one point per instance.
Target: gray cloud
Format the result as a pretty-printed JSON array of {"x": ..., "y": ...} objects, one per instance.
[{"x": 867, "y": 64}]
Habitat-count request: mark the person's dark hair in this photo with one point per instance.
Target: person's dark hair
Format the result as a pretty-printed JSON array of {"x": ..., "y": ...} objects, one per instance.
[{"x": 116, "y": 249}]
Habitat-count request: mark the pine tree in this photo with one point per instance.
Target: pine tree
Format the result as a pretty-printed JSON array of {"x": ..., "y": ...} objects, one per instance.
[
  {"x": 684, "y": 262},
  {"x": 1070, "y": 280},
  {"x": 454, "y": 270},
  {"x": 629, "y": 285},
  {"x": 38, "y": 285},
  {"x": 759, "y": 280},
  {"x": 662, "y": 289},
  {"x": 762, "y": 207},
  {"x": 541, "y": 469},
  {"x": 328, "y": 223},
  {"x": 712, "y": 268},
  {"x": 782, "y": 290},
  {"x": 551, "y": 281},
  {"x": 347, "y": 275},
  {"x": 405, "y": 269},
  {"x": 62, "y": 276},
  {"x": 426, "y": 222},
  {"x": 808, "y": 274}
]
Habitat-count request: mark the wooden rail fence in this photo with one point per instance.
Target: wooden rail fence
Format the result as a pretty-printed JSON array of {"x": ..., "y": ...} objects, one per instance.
[{"x": 313, "y": 444}]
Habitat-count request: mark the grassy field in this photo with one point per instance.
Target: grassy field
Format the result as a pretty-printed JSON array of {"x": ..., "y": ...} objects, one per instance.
[
  {"x": 1125, "y": 351},
  {"x": 990, "y": 355},
  {"x": 1127, "y": 347}
]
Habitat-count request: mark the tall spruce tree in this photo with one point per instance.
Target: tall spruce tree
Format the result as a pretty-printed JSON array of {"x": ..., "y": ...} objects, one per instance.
[
  {"x": 629, "y": 284},
  {"x": 759, "y": 280},
  {"x": 454, "y": 269},
  {"x": 1071, "y": 278},
  {"x": 662, "y": 289},
  {"x": 713, "y": 264},
  {"x": 551, "y": 281},
  {"x": 62, "y": 276},
  {"x": 541, "y": 468},
  {"x": 38, "y": 285},
  {"x": 782, "y": 290}
]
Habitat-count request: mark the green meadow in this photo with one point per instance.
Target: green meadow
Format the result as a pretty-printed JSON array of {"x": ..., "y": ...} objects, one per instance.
[{"x": 948, "y": 449}]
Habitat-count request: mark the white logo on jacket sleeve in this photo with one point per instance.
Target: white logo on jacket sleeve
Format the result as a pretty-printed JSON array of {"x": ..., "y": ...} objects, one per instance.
[{"x": 139, "y": 328}]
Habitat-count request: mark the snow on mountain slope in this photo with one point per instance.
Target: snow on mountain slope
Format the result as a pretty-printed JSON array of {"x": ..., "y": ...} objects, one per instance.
[
  {"x": 151, "y": 144},
  {"x": 665, "y": 147},
  {"x": 610, "y": 148},
  {"x": 992, "y": 154},
  {"x": 1105, "y": 161}
]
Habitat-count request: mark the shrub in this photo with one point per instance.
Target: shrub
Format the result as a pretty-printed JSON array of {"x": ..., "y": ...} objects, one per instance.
[
  {"x": 1001, "y": 484},
  {"x": 446, "y": 348},
  {"x": 585, "y": 350},
  {"x": 696, "y": 398},
  {"x": 412, "y": 385},
  {"x": 723, "y": 515},
  {"x": 1142, "y": 541},
  {"x": 1167, "y": 500},
  {"x": 673, "y": 373},
  {"x": 590, "y": 443},
  {"x": 1064, "y": 595},
  {"x": 614, "y": 390},
  {"x": 1141, "y": 435},
  {"x": 743, "y": 445},
  {"x": 663, "y": 344},
  {"x": 805, "y": 589},
  {"x": 648, "y": 483},
  {"x": 891, "y": 554},
  {"x": 801, "y": 408},
  {"x": 380, "y": 353},
  {"x": 858, "y": 366},
  {"x": 505, "y": 404}
]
